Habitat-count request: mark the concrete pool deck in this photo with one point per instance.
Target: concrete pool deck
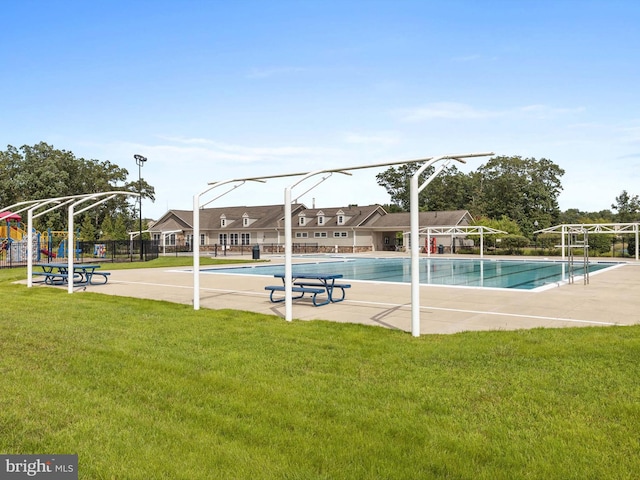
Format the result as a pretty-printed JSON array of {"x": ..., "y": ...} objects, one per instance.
[{"x": 611, "y": 298}]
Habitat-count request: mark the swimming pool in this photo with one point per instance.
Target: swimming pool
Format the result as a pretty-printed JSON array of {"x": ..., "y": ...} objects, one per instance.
[{"x": 514, "y": 274}]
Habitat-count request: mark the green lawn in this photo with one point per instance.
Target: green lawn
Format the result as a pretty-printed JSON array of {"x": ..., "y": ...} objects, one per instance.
[{"x": 144, "y": 389}]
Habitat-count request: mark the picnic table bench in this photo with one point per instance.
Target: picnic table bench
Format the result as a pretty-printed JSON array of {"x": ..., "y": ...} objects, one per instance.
[
  {"x": 83, "y": 274},
  {"x": 312, "y": 283}
]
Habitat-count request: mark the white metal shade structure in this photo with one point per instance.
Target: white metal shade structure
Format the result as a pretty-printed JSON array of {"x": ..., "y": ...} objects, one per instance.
[
  {"x": 415, "y": 189},
  {"x": 31, "y": 206},
  {"x": 288, "y": 236},
  {"x": 235, "y": 183},
  {"x": 73, "y": 200},
  {"x": 133, "y": 235},
  {"x": 197, "y": 205},
  {"x": 57, "y": 203},
  {"x": 458, "y": 231},
  {"x": 593, "y": 228},
  {"x": 288, "y": 221},
  {"x": 163, "y": 238},
  {"x": 23, "y": 206},
  {"x": 415, "y": 252},
  {"x": 98, "y": 199}
]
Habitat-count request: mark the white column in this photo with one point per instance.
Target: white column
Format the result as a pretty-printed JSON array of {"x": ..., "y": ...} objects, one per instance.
[
  {"x": 196, "y": 252},
  {"x": 30, "y": 248},
  {"x": 70, "y": 248},
  {"x": 288, "y": 257},
  {"x": 415, "y": 255}
]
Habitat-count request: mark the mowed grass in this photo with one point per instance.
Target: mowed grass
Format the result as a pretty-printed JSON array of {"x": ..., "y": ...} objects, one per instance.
[{"x": 145, "y": 389}]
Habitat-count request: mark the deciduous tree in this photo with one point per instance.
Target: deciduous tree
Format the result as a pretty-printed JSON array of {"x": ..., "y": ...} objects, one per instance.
[
  {"x": 42, "y": 171},
  {"x": 627, "y": 207}
]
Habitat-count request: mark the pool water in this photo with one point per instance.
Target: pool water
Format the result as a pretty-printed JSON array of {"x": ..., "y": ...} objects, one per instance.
[{"x": 515, "y": 274}]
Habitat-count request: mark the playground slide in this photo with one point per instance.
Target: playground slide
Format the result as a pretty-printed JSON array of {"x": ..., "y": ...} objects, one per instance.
[{"x": 46, "y": 252}]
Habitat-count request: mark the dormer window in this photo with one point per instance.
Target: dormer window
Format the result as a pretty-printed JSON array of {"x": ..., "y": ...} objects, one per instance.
[
  {"x": 301, "y": 220},
  {"x": 320, "y": 216},
  {"x": 340, "y": 217},
  {"x": 245, "y": 220},
  {"x": 223, "y": 221}
]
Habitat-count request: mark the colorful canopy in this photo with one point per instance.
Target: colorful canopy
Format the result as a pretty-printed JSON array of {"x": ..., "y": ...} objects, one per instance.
[{"x": 9, "y": 216}]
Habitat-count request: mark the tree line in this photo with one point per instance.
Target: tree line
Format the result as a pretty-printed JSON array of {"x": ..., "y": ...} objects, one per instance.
[
  {"x": 42, "y": 171},
  {"x": 510, "y": 193}
]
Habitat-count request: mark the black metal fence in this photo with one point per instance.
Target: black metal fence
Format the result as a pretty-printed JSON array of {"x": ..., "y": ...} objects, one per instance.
[
  {"x": 217, "y": 250},
  {"x": 270, "y": 248},
  {"x": 14, "y": 254}
]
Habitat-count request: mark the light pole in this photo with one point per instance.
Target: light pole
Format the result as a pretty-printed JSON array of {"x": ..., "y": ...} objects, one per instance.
[{"x": 140, "y": 161}]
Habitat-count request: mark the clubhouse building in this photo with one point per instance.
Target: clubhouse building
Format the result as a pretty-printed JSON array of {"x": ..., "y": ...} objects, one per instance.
[{"x": 351, "y": 229}]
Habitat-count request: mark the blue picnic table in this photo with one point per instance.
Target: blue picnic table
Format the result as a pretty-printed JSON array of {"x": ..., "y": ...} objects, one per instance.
[
  {"x": 312, "y": 283},
  {"x": 83, "y": 273}
]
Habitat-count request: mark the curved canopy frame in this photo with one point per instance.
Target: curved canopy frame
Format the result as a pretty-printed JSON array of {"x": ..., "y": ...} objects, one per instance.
[
  {"x": 594, "y": 228},
  {"x": 288, "y": 281},
  {"x": 458, "y": 231},
  {"x": 31, "y": 206}
]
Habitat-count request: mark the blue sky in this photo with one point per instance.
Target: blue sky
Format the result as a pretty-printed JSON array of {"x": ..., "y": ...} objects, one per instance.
[{"x": 214, "y": 90}]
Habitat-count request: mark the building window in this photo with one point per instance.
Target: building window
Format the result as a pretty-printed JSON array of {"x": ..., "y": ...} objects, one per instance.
[
  {"x": 340, "y": 219},
  {"x": 320, "y": 234},
  {"x": 203, "y": 239},
  {"x": 170, "y": 239},
  {"x": 340, "y": 234},
  {"x": 301, "y": 235},
  {"x": 222, "y": 238},
  {"x": 246, "y": 239},
  {"x": 245, "y": 222},
  {"x": 189, "y": 239},
  {"x": 233, "y": 239},
  {"x": 223, "y": 222},
  {"x": 301, "y": 220},
  {"x": 156, "y": 239}
]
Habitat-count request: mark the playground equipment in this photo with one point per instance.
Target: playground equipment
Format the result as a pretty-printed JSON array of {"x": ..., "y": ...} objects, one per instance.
[
  {"x": 53, "y": 244},
  {"x": 11, "y": 228},
  {"x": 46, "y": 245},
  {"x": 13, "y": 232},
  {"x": 63, "y": 249},
  {"x": 12, "y": 237}
]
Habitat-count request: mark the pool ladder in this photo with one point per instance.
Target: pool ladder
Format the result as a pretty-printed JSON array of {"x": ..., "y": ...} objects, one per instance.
[{"x": 574, "y": 244}]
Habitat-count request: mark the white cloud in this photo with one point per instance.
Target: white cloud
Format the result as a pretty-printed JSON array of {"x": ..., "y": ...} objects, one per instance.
[
  {"x": 630, "y": 134},
  {"x": 202, "y": 149},
  {"x": 546, "y": 111},
  {"x": 379, "y": 138},
  {"x": 445, "y": 110},
  {"x": 630, "y": 155},
  {"x": 179, "y": 167},
  {"x": 462, "y": 111}
]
